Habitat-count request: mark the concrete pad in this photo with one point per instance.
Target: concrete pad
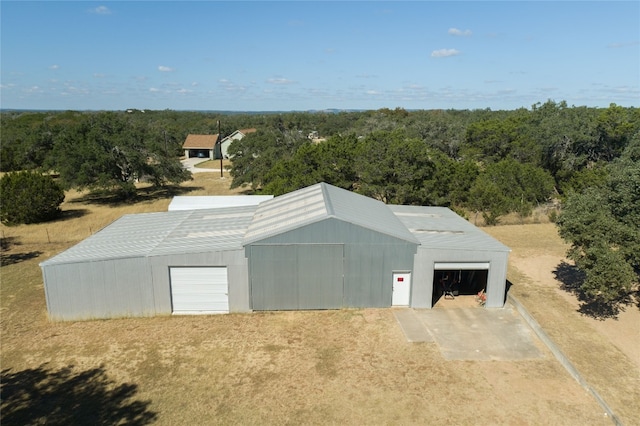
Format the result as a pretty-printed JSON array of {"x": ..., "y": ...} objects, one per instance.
[
  {"x": 480, "y": 334},
  {"x": 413, "y": 329}
]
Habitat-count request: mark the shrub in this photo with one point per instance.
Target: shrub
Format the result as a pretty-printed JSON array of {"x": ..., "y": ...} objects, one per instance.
[{"x": 29, "y": 197}]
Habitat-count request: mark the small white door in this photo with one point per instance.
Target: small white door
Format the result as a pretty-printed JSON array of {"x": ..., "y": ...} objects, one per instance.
[
  {"x": 401, "y": 289},
  {"x": 199, "y": 290}
]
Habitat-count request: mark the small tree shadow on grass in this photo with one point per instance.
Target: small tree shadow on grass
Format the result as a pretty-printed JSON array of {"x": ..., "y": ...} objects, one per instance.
[
  {"x": 9, "y": 259},
  {"x": 69, "y": 397},
  {"x": 571, "y": 279},
  {"x": 71, "y": 214}
]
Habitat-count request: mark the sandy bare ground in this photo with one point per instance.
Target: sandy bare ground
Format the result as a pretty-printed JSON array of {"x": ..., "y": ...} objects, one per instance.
[{"x": 605, "y": 351}]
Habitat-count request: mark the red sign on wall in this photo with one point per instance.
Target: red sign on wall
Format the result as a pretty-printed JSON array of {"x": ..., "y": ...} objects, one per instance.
[{"x": 400, "y": 279}]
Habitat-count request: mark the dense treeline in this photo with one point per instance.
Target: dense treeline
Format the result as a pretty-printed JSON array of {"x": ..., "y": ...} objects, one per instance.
[
  {"x": 489, "y": 162},
  {"x": 493, "y": 162}
]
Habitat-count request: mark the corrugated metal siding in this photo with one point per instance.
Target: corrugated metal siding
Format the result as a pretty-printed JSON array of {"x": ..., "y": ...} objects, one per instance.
[
  {"x": 104, "y": 289},
  {"x": 446, "y": 237},
  {"x": 424, "y": 273},
  {"x": 369, "y": 260},
  {"x": 298, "y": 276},
  {"x": 237, "y": 275},
  {"x": 133, "y": 287},
  {"x": 369, "y": 272}
]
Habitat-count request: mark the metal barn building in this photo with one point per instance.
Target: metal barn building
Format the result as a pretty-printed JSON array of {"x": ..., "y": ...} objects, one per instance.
[{"x": 320, "y": 247}]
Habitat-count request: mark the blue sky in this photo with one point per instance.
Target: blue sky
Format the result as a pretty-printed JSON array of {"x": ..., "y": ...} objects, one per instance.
[{"x": 301, "y": 55}]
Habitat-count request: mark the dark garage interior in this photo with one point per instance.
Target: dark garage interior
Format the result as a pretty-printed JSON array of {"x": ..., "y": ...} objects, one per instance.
[{"x": 458, "y": 283}]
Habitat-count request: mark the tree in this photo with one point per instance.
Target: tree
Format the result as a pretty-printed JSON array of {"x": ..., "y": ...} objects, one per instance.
[
  {"x": 331, "y": 161},
  {"x": 509, "y": 186},
  {"x": 108, "y": 150},
  {"x": 29, "y": 197},
  {"x": 395, "y": 169},
  {"x": 257, "y": 153},
  {"x": 497, "y": 139},
  {"x": 602, "y": 225},
  {"x": 459, "y": 180}
]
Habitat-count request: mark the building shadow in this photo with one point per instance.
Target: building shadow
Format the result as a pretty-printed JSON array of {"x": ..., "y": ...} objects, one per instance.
[
  {"x": 507, "y": 287},
  {"x": 69, "y": 397},
  {"x": 571, "y": 279}
]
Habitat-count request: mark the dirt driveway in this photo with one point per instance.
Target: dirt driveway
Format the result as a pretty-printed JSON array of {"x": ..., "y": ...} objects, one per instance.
[{"x": 190, "y": 164}]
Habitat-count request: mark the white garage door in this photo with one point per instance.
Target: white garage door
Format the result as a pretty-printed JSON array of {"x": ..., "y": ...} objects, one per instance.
[
  {"x": 200, "y": 290},
  {"x": 452, "y": 266}
]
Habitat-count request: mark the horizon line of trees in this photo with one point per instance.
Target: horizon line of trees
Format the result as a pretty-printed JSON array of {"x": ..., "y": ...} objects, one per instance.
[{"x": 494, "y": 162}]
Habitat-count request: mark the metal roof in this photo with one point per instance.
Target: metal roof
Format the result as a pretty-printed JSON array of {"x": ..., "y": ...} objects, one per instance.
[
  {"x": 439, "y": 227},
  {"x": 196, "y": 202},
  {"x": 318, "y": 202},
  {"x": 230, "y": 228},
  {"x": 154, "y": 234}
]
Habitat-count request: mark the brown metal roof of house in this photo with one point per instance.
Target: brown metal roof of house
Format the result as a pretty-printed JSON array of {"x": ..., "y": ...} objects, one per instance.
[{"x": 200, "y": 141}]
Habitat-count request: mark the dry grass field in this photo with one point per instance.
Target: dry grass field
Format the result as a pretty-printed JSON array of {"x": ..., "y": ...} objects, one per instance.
[{"x": 317, "y": 367}]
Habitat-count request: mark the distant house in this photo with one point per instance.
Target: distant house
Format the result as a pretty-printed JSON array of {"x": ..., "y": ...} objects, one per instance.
[
  {"x": 201, "y": 146},
  {"x": 235, "y": 136}
]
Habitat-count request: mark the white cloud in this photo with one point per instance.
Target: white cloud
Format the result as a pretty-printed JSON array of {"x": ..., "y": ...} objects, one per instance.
[
  {"x": 443, "y": 53},
  {"x": 280, "y": 81},
  {"x": 461, "y": 33},
  {"x": 230, "y": 86},
  {"x": 54, "y": 67},
  {"x": 154, "y": 90},
  {"x": 101, "y": 10},
  {"x": 163, "y": 68}
]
